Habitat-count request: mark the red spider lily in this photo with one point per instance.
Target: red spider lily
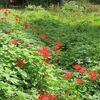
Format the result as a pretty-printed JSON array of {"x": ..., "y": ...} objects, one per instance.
[
  {"x": 79, "y": 81},
  {"x": 56, "y": 51},
  {"x": 57, "y": 45},
  {"x": 44, "y": 52},
  {"x": 18, "y": 18},
  {"x": 1, "y": 7},
  {"x": 68, "y": 75},
  {"x": 93, "y": 73},
  {"x": 9, "y": 30},
  {"x": 26, "y": 25},
  {"x": 6, "y": 12},
  {"x": 14, "y": 41},
  {"x": 48, "y": 62},
  {"x": 20, "y": 63},
  {"x": 48, "y": 38},
  {"x": 76, "y": 66},
  {"x": 43, "y": 36},
  {"x": 44, "y": 49},
  {"x": 82, "y": 70},
  {"x": 2, "y": 19},
  {"x": 93, "y": 78},
  {"x": 47, "y": 96}
]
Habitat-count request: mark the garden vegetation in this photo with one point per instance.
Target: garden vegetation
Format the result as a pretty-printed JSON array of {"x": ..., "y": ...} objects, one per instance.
[{"x": 50, "y": 54}]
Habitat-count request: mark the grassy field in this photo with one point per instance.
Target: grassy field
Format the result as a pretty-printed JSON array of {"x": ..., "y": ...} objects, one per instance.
[{"x": 52, "y": 54}]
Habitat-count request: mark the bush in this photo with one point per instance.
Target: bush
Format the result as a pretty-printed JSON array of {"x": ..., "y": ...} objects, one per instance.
[{"x": 72, "y": 7}]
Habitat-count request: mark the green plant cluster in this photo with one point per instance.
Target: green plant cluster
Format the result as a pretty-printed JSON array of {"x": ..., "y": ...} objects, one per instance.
[
  {"x": 79, "y": 34},
  {"x": 80, "y": 38}
]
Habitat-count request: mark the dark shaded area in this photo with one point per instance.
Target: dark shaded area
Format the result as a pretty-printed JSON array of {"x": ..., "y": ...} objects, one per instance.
[
  {"x": 21, "y": 2},
  {"x": 95, "y": 1},
  {"x": 16, "y": 2},
  {"x": 44, "y": 3},
  {"x": 56, "y": 1}
]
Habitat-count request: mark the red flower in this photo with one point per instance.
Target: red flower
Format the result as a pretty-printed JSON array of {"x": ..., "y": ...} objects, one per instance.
[
  {"x": 48, "y": 38},
  {"x": 6, "y": 12},
  {"x": 26, "y": 25},
  {"x": 14, "y": 41},
  {"x": 76, "y": 66},
  {"x": 20, "y": 62},
  {"x": 48, "y": 62},
  {"x": 58, "y": 45},
  {"x": 43, "y": 36},
  {"x": 68, "y": 75},
  {"x": 47, "y": 96},
  {"x": 83, "y": 70},
  {"x": 43, "y": 49},
  {"x": 1, "y": 8},
  {"x": 56, "y": 51},
  {"x": 2, "y": 19},
  {"x": 9, "y": 30},
  {"x": 18, "y": 18},
  {"x": 79, "y": 68},
  {"x": 93, "y": 78},
  {"x": 93, "y": 73},
  {"x": 79, "y": 81},
  {"x": 44, "y": 52}
]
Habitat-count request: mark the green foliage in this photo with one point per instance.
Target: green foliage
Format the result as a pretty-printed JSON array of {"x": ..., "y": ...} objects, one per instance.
[
  {"x": 33, "y": 7},
  {"x": 46, "y": 3},
  {"x": 95, "y": 1},
  {"x": 78, "y": 31},
  {"x": 72, "y": 7},
  {"x": 80, "y": 44},
  {"x": 4, "y": 2}
]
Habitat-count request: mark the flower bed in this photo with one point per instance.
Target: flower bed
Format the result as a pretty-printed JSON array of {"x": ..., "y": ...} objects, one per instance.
[{"x": 35, "y": 65}]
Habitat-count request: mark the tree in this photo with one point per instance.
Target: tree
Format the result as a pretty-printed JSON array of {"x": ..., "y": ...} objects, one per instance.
[{"x": 95, "y": 1}]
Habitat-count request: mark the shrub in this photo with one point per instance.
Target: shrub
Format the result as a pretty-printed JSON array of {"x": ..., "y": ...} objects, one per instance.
[{"x": 72, "y": 7}]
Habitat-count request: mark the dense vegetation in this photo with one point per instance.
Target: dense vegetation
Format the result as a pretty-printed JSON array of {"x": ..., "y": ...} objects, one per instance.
[
  {"x": 46, "y": 3},
  {"x": 51, "y": 54}
]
